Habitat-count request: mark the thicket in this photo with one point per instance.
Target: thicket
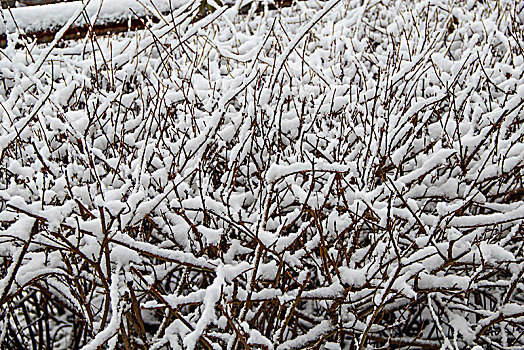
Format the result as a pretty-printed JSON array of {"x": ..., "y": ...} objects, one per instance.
[{"x": 329, "y": 175}]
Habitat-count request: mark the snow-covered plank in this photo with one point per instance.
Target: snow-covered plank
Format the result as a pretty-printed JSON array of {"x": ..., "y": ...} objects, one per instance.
[{"x": 102, "y": 12}]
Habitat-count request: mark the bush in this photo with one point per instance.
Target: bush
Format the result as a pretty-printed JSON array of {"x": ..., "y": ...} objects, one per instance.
[{"x": 341, "y": 175}]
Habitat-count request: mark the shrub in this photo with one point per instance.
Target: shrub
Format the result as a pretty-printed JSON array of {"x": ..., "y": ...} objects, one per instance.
[{"x": 339, "y": 176}]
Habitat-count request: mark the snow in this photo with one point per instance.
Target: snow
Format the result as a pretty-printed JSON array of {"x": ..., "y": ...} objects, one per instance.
[
  {"x": 53, "y": 16},
  {"x": 112, "y": 328},
  {"x": 326, "y": 173},
  {"x": 256, "y": 338},
  {"x": 279, "y": 171},
  {"x": 211, "y": 297},
  {"x": 311, "y": 336}
]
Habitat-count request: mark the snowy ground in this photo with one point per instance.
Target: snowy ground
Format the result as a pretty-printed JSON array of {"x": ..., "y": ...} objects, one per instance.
[{"x": 335, "y": 175}]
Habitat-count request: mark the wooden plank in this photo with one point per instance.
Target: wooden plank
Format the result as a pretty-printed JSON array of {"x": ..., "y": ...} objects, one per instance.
[
  {"x": 21, "y": 3},
  {"x": 40, "y": 2},
  {"x": 117, "y": 26},
  {"x": 75, "y": 33}
]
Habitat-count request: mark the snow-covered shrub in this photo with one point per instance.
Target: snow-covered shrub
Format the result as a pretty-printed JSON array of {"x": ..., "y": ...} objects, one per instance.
[{"x": 336, "y": 175}]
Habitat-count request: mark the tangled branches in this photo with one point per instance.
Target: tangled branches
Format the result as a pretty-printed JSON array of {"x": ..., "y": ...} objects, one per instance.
[{"x": 288, "y": 179}]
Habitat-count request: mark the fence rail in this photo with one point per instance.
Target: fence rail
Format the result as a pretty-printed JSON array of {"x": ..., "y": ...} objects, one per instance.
[
  {"x": 22, "y": 3},
  {"x": 41, "y": 23},
  {"x": 101, "y": 17}
]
